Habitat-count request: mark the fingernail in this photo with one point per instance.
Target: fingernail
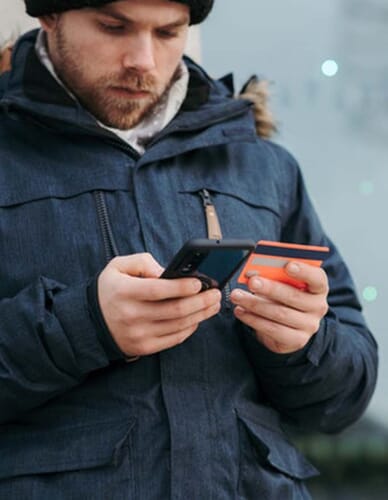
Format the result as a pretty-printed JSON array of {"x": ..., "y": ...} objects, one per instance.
[
  {"x": 197, "y": 285},
  {"x": 250, "y": 274},
  {"x": 238, "y": 311},
  {"x": 237, "y": 294},
  {"x": 256, "y": 284},
  {"x": 294, "y": 268}
]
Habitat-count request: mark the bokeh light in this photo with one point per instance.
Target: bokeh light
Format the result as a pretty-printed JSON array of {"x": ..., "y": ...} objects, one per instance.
[
  {"x": 366, "y": 188},
  {"x": 370, "y": 293},
  {"x": 329, "y": 68}
]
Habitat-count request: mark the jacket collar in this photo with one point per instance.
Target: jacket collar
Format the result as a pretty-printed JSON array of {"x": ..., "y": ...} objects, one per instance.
[{"x": 31, "y": 88}]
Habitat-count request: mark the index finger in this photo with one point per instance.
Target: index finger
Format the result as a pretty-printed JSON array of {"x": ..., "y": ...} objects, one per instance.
[
  {"x": 151, "y": 289},
  {"x": 314, "y": 277}
]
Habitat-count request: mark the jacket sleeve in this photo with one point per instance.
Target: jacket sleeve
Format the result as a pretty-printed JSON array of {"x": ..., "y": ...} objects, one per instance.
[
  {"x": 49, "y": 342},
  {"x": 328, "y": 384}
]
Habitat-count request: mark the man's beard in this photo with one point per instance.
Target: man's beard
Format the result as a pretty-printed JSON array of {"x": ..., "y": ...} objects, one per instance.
[{"x": 100, "y": 97}]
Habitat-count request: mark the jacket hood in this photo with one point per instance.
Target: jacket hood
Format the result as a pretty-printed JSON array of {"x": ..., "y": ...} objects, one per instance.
[
  {"x": 30, "y": 87},
  {"x": 255, "y": 91}
]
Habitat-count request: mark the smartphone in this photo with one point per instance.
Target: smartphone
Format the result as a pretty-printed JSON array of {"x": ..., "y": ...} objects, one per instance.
[{"x": 212, "y": 261}]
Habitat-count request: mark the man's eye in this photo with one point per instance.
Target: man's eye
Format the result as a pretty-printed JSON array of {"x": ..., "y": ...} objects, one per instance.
[
  {"x": 112, "y": 28},
  {"x": 167, "y": 34}
]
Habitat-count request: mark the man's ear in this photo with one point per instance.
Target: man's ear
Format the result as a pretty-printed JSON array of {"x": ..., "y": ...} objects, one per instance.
[{"x": 49, "y": 22}]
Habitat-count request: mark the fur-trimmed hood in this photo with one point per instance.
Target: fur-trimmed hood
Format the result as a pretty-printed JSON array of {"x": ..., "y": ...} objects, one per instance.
[{"x": 257, "y": 92}]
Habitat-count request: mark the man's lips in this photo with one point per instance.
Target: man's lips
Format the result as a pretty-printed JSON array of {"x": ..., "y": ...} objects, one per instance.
[{"x": 132, "y": 93}]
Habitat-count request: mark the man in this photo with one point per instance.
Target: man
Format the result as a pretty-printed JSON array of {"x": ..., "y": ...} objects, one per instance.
[{"x": 116, "y": 384}]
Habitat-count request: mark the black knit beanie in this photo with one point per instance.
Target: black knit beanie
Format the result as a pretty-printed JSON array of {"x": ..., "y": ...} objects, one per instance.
[{"x": 199, "y": 9}]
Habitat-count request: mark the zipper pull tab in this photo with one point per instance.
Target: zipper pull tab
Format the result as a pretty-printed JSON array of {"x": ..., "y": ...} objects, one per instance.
[
  {"x": 213, "y": 225},
  {"x": 214, "y": 233}
]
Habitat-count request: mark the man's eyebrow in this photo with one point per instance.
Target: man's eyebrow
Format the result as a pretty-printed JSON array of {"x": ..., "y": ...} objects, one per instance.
[
  {"x": 109, "y": 10},
  {"x": 183, "y": 21}
]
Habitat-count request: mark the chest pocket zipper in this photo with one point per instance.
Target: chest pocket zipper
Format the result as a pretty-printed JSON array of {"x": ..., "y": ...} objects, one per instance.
[
  {"x": 214, "y": 231},
  {"x": 110, "y": 247}
]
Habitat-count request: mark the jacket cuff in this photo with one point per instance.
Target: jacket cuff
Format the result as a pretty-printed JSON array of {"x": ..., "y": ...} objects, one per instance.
[
  {"x": 261, "y": 356},
  {"x": 72, "y": 310},
  {"x": 103, "y": 334}
]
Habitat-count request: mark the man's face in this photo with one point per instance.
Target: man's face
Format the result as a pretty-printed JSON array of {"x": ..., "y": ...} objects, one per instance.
[{"x": 121, "y": 58}]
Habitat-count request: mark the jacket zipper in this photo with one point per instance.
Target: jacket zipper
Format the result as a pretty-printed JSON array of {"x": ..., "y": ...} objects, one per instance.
[
  {"x": 110, "y": 246},
  {"x": 214, "y": 231}
]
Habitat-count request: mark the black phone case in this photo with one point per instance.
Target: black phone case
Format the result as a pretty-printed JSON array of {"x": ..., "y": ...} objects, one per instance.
[{"x": 186, "y": 262}]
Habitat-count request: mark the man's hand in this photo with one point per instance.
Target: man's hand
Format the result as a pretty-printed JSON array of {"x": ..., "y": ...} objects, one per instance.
[
  {"x": 284, "y": 317},
  {"x": 145, "y": 314}
]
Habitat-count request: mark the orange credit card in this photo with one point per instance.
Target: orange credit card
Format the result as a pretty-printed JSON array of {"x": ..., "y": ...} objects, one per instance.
[{"x": 270, "y": 257}]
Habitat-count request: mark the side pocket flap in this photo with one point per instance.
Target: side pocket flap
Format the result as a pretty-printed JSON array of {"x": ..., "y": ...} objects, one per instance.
[
  {"x": 42, "y": 451},
  {"x": 272, "y": 445}
]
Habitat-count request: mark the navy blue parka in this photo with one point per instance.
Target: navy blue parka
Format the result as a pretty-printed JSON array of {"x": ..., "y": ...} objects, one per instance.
[{"x": 202, "y": 420}]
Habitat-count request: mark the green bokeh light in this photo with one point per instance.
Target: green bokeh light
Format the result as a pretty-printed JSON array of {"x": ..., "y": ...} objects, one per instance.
[
  {"x": 367, "y": 188},
  {"x": 370, "y": 293}
]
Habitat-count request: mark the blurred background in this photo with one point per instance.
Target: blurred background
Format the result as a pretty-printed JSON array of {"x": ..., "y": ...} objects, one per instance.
[
  {"x": 327, "y": 65},
  {"x": 328, "y": 71}
]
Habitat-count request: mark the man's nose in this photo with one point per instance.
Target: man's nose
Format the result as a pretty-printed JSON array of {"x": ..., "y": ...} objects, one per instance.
[{"x": 139, "y": 55}]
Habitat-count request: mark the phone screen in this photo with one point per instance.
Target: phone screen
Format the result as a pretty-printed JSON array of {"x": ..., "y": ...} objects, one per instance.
[{"x": 219, "y": 264}]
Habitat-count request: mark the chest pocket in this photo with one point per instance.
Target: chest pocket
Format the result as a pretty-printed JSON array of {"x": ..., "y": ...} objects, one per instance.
[
  {"x": 241, "y": 213},
  {"x": 60, "y": 236},
  {"x": 54, "y": 237},
  {"x": 49, "y": 223}
]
